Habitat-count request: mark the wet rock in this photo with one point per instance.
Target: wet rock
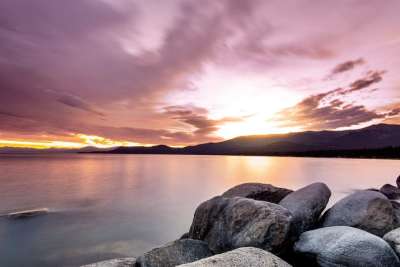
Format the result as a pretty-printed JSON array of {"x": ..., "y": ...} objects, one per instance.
[
  {"x": 25, "y": 214},
  {"x": 229, "y": 223},
  {"x": 390, "y": 191},
  {"x": 367, "y": 210},
  {"x": 393, "y": 239},
  {"x": 306, "y": 205},
  {"x": 241, "y": 257},
  {"x": 123, "y": 262},
  {"x": 175, "y": 253},
  {"x": 344, "y": 246},
  {"x": 258, "y": 191}
]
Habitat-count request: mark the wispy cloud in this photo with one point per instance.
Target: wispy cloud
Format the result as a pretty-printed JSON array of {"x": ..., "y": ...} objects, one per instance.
[{"x": 331, "y": 110}]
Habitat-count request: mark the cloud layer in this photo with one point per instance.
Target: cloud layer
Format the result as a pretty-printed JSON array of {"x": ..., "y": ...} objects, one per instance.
[{"x": 134, "y": 71}]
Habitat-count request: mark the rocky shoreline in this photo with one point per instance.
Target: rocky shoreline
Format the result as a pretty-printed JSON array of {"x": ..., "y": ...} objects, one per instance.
[{"x": 257, "y": 224}]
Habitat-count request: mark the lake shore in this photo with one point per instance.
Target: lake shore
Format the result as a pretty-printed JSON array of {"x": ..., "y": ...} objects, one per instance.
[{"x": 255, "y": 224}]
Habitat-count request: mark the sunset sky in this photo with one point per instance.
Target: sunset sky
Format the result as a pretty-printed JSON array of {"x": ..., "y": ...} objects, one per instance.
[{"x": 124, "y": 72}]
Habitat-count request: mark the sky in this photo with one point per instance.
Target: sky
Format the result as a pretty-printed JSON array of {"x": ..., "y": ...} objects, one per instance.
[{"x": 182, "y": 72}]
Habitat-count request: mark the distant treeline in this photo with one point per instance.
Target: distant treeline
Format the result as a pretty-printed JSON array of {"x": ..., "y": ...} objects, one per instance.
[{"x": 379, "y": 153}]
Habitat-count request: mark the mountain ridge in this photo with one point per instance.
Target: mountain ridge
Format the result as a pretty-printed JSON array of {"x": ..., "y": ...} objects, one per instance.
[{"x": 375, "y": 137}]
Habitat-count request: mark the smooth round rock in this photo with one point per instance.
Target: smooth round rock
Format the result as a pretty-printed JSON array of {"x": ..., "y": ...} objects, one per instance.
[
  {"x": 393, "y": 239},
  {"x": 241, "y": 257},
  {"x": 344, "y": 246},
  {"x": 258, "y": 191},
  {"x": 367, "y": 210},
  {"x": 306, "y": 205},
  {"x": 390, "y": 191},
  {"x": 229, "y": 223},
  {"x": 175, "y": 253}
]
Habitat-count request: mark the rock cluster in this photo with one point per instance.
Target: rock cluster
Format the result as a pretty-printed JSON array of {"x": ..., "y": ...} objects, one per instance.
[{"x": 255, "y": 224}]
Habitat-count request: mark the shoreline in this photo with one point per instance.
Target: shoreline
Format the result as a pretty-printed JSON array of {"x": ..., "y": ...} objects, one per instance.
[{"x": 255, "y": 225}]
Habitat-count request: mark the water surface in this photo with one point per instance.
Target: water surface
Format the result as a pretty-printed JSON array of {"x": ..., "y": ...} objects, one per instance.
[{"x": 107, "y": 206}]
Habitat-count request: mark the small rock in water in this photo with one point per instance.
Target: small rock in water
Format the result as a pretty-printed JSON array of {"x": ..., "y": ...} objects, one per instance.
[
  {"x": 306, "y": 205},
  {"x": 175, "y": 253},
  {"x": 344, "y": 246},
  {"x": 367, "y": 210},
  {"x": 390, "y": 191},
  {"x": 24, "y": 214},
  {"x": 241, "y": 257},
  {"x": 229, "y": 223},
  {"x": 258, "y": 191},
  {"x": 122, "y": 262}
]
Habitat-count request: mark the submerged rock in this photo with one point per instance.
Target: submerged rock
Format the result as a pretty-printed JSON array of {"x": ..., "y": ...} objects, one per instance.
[
  {"x": 344, "y": 246},
  {"x": 122, "y": 262},
  {"x": 24, "y": 214},
  {"x": 393, "y": 239},
  {"x": 306, "y": 205},
  {"x": 390, "y": 191},
  {"x": 175, "y": 253},
  {"x": 258, "y": 191},
  {"x": 229, "y": 223},
  {"x": 367, "y": 210},
  {"x": 241, "y": 257}
]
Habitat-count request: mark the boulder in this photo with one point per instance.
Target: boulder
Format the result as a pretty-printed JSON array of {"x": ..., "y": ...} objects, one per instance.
[
  {"x": 241, "y": 257},
  {"x": 393, "y": 239},
  {"x": 344, "y": 246},
  {"x": 396, "y": 213},
  {"x": 258, "y": 191},
  {"x": 367, "y": 210},
  {"x": 398, "y": 181},
  {"x": 229, "y": 223},
  {"x": 175, "y": 253},
  {"x": 123, "y": 262},
  {"x": 306, "y": 205},
  {"x": 390, "y": 191}
]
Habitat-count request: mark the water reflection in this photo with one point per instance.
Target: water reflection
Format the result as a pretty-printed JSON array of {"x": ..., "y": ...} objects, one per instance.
[{"x": 122, "y": 205}]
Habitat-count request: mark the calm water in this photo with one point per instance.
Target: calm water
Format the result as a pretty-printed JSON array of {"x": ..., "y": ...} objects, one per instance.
[{"x": 107, "y": 206}]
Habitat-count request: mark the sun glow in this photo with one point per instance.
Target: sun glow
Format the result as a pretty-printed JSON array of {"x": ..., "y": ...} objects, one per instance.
[
  {"x": 252, "y": 98},
  {"x": 80, "y": 141},
  {"x": 101, "y": 142},
  {"x": 40, "y": 144}
]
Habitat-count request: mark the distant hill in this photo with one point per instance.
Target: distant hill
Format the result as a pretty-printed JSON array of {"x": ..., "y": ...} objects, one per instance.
[
  {"x": 382, "y": 138},
  {"x": 21, "y": 150}
]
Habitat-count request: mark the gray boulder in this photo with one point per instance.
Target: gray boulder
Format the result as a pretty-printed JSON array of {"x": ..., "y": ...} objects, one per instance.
[
  {"x": 390, "y": 191},
  {"x": 229, "y": 223},
  {"x": 175, "y": 253},
  {"x": 344, "y": 246},
  {"x": 393, "y": 238},
  {"x": 306, "y": 205},
  {"x": 367, "y": 210},
  {"x": 396, "y": 213},
  {"x": 122, "y": 262},
  {"x": 241, "y": 257},
  {"x": 258, "y": 191}
]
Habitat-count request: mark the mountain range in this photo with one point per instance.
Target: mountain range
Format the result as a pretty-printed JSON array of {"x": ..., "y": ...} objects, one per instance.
[{"x": 375, "y": 139}]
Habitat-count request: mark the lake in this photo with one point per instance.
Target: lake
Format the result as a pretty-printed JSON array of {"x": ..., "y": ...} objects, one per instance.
[{"x": 108, "y": 206}]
